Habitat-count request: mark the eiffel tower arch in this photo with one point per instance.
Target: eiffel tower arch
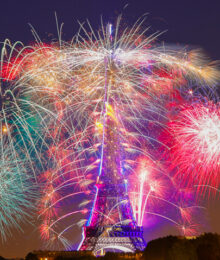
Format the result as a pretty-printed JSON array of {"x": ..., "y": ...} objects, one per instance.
[{"x": 113, "y": 238}]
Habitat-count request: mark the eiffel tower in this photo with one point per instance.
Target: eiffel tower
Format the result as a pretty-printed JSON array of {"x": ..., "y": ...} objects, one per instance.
[{"x": 111, "y": 226}]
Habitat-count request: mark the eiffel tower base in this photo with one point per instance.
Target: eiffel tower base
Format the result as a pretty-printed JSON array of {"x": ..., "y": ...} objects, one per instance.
[{"x": 113, "y": 238}]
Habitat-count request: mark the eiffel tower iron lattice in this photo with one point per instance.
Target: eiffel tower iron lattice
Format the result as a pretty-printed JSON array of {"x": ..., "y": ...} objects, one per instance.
[{"x": 111, "y": 225}]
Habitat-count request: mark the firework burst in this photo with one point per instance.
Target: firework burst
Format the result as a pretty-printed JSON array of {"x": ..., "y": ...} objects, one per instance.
[
  {"x": 24, "y": 118},
  {"x": 17, "y": 194},
  {"x": 73, "y": 90},
  {"x": 121, "y": 76},
  {"x": 196, "y": 142}
]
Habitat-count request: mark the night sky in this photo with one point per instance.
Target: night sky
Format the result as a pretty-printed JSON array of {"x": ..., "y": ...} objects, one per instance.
[{"x": 193, "y": 23}]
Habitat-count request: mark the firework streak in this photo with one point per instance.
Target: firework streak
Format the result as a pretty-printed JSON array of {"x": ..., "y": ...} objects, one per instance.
[{"x": 55, "y": 104}]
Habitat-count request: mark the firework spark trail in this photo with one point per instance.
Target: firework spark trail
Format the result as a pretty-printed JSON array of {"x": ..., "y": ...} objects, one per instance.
[
  {"x": 151, "y": 192},
  {"x": 65, "y": 180},
  {"x": 67, "y": 87},
  {"x": 136, "y": 75},
  {"x": 196, "y": 143},
  {"x": 17, "y": 194},
  {"x": 23, "y": 118}
]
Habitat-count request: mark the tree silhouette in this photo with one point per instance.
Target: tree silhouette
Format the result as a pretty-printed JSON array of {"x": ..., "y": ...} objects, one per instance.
[
  {"x": 31, "y": 256},
  {"x": 204, "y": 247}
]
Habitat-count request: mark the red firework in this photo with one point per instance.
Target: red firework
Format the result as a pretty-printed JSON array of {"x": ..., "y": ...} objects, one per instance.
[{"x": 196, "y": 144}]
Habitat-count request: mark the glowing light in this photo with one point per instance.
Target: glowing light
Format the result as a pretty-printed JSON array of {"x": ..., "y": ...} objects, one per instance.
[
  {"x": 4, "y": 129},
  {"x": 196, "y": 147},
  {"x": 53, "y": 99}
]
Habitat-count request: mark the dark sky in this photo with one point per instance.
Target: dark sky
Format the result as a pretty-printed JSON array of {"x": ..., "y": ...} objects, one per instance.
[{"x": 195, "y": 23}]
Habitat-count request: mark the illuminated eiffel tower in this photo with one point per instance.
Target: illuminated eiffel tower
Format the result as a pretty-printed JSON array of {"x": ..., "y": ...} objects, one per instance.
[{"x": 111, "y": 226}]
